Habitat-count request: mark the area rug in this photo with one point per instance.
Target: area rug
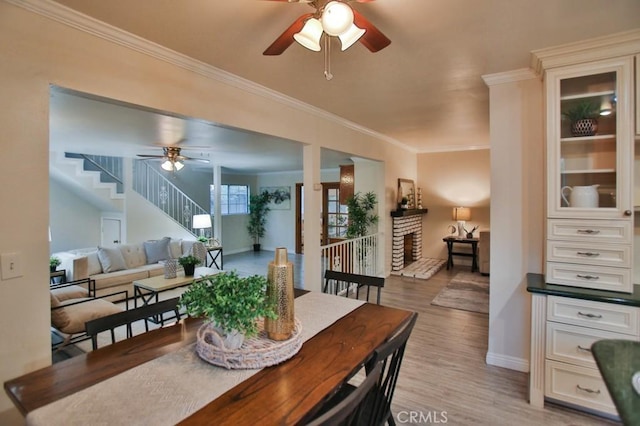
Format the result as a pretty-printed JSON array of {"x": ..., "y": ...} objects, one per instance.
[
  {"x": 423, "y": 268},
  {"x": 467, "y": 292}
]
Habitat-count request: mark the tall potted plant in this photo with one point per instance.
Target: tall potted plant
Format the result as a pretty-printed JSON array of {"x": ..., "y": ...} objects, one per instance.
[
  {"x": 361, "y": 214},
  {"x": 258, "y": 209}
]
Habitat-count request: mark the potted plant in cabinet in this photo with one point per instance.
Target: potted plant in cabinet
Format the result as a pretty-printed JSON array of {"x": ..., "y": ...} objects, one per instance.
[{"x": 583, "y": 117}]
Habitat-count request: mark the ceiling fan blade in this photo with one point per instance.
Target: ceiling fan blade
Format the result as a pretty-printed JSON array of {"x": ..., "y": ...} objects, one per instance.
[
  {"x": 286, "y": 38},
  {"x": 373, "y": 39},
  {"x": 200, "y": 160},
  {"x": 150, "y": 156}
]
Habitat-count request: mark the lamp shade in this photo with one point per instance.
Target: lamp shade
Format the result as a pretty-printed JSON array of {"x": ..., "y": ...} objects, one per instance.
[
  {"x": 461, "y": 213},
  {"x": 337, "y": 18},
  {"x": 350, "y": 36},
  {"x": 201, "y": 221},
  {"x": 310, "y": 35}
]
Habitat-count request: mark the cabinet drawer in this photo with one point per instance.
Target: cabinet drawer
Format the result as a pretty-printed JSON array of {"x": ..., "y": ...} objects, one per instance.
[
  {"x": 598, "y": 315},
  {"x": 572, "y": 344},
  {"x": 589, "y": 253},
  {"x": 587, "y": 276},
  {"x": 577, "y": 385},
  {"x": 612, "y": 231}
]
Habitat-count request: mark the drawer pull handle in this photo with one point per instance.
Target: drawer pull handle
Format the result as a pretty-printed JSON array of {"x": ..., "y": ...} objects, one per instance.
[
  {"x": 588, "y": 315},
  {"x": 580, "y": 348},
  {"x": 588, "y": 254},
  {"x": 588, "y": 277},
  {"x": 588, "y": 231},
  {"x": 587, "y": 390}
]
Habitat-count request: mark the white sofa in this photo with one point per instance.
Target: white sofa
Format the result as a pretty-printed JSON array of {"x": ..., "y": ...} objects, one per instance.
[{"x": 115, "y": 268}]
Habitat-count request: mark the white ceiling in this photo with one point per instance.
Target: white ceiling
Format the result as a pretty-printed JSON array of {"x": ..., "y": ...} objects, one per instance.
[{"x": 424, "y": 90}]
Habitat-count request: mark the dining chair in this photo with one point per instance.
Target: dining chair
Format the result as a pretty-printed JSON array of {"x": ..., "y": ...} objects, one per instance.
[
  {"x": 388, "y": 357},
  {"x": 336, "y": 282},
  {"x": 349, "y": 410},
  {"x": 126, "y": 318}
]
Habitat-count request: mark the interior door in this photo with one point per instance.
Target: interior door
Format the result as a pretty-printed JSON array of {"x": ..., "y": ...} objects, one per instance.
[
  {"x": 299, "y": 218},
  {"x": 111, "y": 231},
  {"x": 334, "y": 214}
]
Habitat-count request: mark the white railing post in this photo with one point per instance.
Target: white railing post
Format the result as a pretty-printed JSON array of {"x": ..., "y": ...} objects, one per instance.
[{"x": 356, "y": 256}]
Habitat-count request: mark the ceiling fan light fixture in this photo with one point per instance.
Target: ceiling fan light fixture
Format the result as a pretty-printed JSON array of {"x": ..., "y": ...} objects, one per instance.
[
  {"x": 310, "y": 35},
  {"x": 337, "y": 18},
  {"x": 178, "y": 165},
  {"x": 167, "y": 165},
  {"x": 350, "y": 36}
]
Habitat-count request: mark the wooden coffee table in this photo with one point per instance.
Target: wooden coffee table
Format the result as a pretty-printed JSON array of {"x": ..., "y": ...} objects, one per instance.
[{"x": 148, "y": 289}]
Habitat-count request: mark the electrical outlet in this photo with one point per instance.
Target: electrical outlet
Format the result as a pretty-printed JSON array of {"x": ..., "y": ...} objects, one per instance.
[{"x": 11, "y": 264}]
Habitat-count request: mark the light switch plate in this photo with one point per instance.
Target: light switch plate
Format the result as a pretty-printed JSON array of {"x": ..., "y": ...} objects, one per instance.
[{"x": 11, "y": 264}]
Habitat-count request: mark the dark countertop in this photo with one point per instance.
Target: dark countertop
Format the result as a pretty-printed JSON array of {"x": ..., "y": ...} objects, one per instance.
[
  {"x": 537, "y": 284},
  {"x": 618, "y": 360}
]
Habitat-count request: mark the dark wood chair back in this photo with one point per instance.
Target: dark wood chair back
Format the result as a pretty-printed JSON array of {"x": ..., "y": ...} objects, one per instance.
[
  {"x": 350, "y": 410},
  {"x": 336, "y": 282},
  {"x": 388, "y": 357},
  {"x": 126, "y": 318}
]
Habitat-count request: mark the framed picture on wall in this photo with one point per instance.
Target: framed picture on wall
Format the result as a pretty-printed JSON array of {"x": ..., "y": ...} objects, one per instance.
[{"x": 280, "y": 197}]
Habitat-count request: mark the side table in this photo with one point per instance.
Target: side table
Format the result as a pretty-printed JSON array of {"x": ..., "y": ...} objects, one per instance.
[
  {"x": 473, "y": 242},
  {"x": 214, "y": 253},
  {"x": 58, "y": 277}
]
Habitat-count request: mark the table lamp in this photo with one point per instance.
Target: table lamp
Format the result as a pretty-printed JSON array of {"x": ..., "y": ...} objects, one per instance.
[
  {"x": 460, "y": 215},
  {"x": 201, "y": 222}
]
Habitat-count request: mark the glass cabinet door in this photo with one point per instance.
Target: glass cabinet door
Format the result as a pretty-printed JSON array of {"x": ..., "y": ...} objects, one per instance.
[{"x": 590, "y": 150}]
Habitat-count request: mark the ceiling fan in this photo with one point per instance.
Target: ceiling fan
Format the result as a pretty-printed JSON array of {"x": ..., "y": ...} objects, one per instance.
[
  {"x": 331, "y": 18},
  {"x": 173, "y": 160}
]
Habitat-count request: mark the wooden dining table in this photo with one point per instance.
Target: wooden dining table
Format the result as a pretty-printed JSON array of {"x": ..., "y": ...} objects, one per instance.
[{"x": 285, "y": 394}]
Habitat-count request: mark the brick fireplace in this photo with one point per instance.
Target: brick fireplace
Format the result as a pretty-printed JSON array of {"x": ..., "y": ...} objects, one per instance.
[{"x": 407, "y": 224}]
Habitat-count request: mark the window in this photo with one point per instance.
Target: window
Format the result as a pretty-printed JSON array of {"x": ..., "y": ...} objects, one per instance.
[{"x": 234, "y": 199}]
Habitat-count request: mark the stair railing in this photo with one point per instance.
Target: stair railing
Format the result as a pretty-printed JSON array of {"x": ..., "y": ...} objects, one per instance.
[
  {"x": 157, "y": 189},
  {"x": 110, "y": 168}
]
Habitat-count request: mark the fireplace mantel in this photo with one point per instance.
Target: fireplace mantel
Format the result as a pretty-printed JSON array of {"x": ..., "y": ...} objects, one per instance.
[{"x": 404, "y": 213}]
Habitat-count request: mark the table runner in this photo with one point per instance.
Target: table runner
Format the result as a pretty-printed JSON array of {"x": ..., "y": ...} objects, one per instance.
[{"x": 170, "y": 388}]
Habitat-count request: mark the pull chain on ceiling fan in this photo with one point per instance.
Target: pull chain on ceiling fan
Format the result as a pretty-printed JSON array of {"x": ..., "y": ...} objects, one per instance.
[{"x": 332, "y": 19}]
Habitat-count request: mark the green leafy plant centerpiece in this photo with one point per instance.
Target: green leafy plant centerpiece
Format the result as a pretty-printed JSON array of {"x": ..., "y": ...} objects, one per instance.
[
  {"x": 258, "y": 209},
  {"x": 229, "y": 302},
  {"x": 54, "y": 262},
  {"x": 189, "y": 263}
]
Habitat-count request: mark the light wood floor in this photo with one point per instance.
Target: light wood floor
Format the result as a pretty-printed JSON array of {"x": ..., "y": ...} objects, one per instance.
[{"x": 444, "y": 367}]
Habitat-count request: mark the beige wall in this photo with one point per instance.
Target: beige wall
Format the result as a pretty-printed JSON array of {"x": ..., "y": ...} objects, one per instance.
[
  {"x": 450, "y": 179},
  {"x": 37, "y": 52}
]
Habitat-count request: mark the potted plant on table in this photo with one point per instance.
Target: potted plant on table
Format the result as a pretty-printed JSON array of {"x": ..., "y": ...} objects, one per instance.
[
  {"x": 231, "y": 304},
  {"x": 258, "y": 209},
  {"x": 189, "y": 264},
  {"x": 54, "y": 262}
]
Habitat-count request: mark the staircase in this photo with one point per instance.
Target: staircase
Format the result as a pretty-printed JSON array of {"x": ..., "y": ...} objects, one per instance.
[
  {"x": 99, "y": 180},
  {"x": 162, "y": 193},
  {"x": 88, "y": 184}
]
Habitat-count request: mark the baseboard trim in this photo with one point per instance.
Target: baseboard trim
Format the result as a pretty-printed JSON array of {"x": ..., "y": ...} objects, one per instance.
[{"x": 512, "y": 363}]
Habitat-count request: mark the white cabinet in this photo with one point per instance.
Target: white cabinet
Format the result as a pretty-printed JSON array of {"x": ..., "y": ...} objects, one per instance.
[
  {"x": 572, "y": 326},
  {"x": 590, "y": 170}
]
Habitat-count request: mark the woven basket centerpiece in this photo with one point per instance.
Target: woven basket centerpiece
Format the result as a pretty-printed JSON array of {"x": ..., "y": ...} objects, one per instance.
[{"x": 256, "y": 352}]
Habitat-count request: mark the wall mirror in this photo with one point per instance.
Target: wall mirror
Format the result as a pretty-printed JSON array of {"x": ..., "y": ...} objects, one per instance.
[{"x": 406, "y": 189}]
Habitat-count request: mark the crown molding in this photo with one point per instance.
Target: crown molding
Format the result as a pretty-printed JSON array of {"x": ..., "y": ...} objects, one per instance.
[
  {"x": 438, "y": 149},
  {"x": 72, "y": 18},
  {"x": 594, "y": 49},
  {"x": 508, "y": 76}
]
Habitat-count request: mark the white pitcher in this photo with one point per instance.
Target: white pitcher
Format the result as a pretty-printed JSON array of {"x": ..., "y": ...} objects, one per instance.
[{"x": 581, "y": 196}]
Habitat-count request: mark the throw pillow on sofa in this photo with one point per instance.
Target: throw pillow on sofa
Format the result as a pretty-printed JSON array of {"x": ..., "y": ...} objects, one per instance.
[
  {"x": 157, "y": 250},
  {"x": 111, "y": 259}
]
